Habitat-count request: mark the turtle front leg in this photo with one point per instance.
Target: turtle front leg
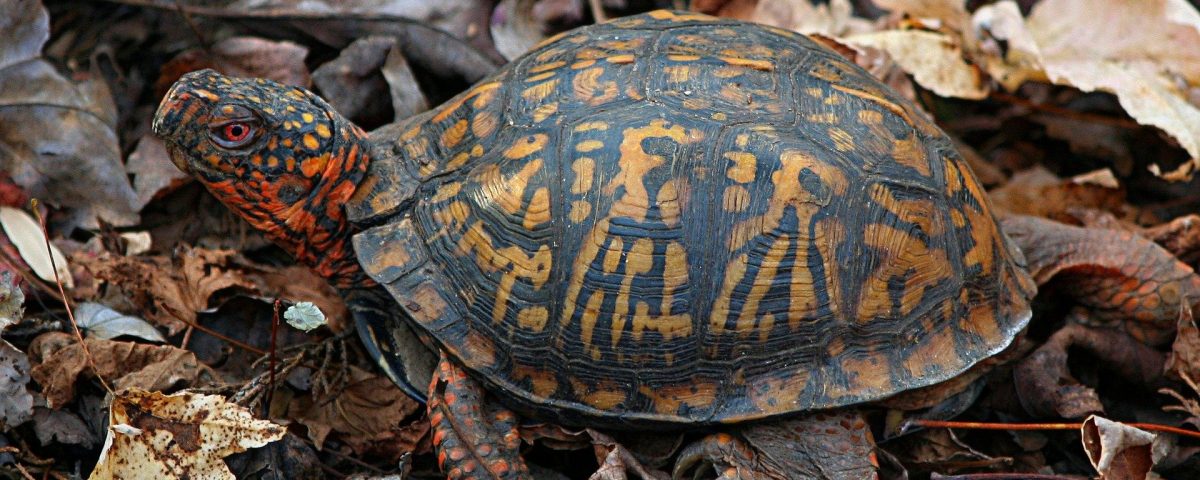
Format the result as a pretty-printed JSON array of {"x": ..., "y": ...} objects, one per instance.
[
  {"x": 474, "y": 439},
  {"x": 833, "y": 445}
]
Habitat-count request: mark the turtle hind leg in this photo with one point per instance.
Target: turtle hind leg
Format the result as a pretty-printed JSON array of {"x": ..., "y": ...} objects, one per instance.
[
  {"x": 833, "y": 445},
  {"x": 473, "y": 439}
]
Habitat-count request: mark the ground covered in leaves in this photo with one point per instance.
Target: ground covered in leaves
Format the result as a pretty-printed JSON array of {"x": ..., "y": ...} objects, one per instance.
[{"x": 1082, "y": 111}]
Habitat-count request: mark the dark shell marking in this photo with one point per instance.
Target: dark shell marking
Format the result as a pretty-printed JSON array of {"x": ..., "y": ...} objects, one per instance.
[{"x": 675, "y": 219}]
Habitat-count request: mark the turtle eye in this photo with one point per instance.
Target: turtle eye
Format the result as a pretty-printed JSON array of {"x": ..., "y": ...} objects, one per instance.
[
  {"x": 234, "y": 134},
  {"x": 239, "y": 128}
]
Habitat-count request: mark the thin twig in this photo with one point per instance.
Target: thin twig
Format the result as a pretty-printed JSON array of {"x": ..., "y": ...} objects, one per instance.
[
  {"x": 271, "y": 354},
  {"x": 24, "y": 473},
  {"x": 1153, "y": 427},
  {"x": 87, "y": 352},
  {"x": 1007, "y": 476}
]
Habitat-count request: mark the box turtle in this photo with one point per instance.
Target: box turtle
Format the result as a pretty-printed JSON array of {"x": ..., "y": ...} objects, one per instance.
[{"x": 666, "y": 220}]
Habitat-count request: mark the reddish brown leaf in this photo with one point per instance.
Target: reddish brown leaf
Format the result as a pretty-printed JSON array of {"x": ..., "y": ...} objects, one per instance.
[
  {"x": 169, "y": 293},
  {"x": 60, "y": 361},
  {"x": 367, "y": 412}
]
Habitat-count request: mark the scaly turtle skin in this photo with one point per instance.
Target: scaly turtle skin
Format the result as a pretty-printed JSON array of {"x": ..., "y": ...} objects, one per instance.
[{"x": 667, "y": 219}]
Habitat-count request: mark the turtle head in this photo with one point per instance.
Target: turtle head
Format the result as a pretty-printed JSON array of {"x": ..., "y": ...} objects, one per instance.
[{"x": 277, "y": 155}]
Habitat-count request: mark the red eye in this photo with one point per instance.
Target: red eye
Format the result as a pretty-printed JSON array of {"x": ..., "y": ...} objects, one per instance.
[{"x": 236, "y": 132}]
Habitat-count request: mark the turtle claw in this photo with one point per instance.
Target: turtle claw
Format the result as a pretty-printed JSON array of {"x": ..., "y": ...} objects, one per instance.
[
  {"x": 473, "y": 439},
  {"x": 824, "y": 446}
]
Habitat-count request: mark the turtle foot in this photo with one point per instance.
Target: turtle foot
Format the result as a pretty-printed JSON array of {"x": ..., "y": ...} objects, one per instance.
[
  {"x": 473, "y": 439},
  {"x": 823, "y": 446}
]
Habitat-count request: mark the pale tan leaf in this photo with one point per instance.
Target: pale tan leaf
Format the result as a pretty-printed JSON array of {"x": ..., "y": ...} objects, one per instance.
[
  {"x": 951, "y": 13},
  {"x": 832, "y": 19},
  {"x": 1143, "y": 52},
  {"x": 185, "y": 435},
  {"x": 935, "y": 60},
  {"x": 26, "y": 235},
  {"x": 1020, "y": 59}
]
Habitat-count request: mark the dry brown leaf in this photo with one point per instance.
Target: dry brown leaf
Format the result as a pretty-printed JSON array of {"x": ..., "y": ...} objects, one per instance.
[
  {"x": 56, "y": 136},
  {"x": 185, "y": 435},
  {"x": 12, "y": 300},
  {"x": 1183, "y": 362},
  {"x": 298, "y": 283},
  {"x": 152, "y": 170},
  {"x": 169, "y": 293},
  {"x": 1116, "y": 450},
  {"x": 63, "y": 427},
  {"x": 280, "y": 61},
  {"x": 369, "y": 410},
  {"x": 16, "y": 403},
  {"x": 1141, "y": 51},
  {"x": 934, "y": 59},
  {"x": 1039, "y": 192},
  {"x": 59, "y": 362},
  {"x": 739, "y": 9}
]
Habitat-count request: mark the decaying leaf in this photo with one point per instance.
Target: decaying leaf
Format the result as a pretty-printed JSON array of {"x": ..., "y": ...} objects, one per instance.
[
  {"x": 59, "y": 362},
  {"x": 16, "y": 403},
  {"x": 12, "y": 300},
  {"x": 829, "y": 19},
  {"x": 369, "y": 410},
  {"x": 25, "y": 234},
  {"x": 1141, "y": 51},
  {"x": 185, "y": 435},
  {"x": 152, "y": 170},
  {"x": 56, "y": 137},
  {"x": 243, "y": 57},
  {"x": 1183, "y": 362},
  {"x": 1116, "y": 450},
  {"x": 935, "y": 60},
  {"x": 62, "y": 426},
  {"x": 1039, "y": 192},
  {"x": 105, "y": 323},
  {"x": 169, "y": 292}
]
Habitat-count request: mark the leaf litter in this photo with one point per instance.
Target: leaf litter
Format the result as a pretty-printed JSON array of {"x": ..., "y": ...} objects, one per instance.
[{"x": 1071, "y": 112}]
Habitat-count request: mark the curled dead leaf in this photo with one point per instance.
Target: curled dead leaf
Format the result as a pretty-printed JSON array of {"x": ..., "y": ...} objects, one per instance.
[{"x": 1116, "y": 450}]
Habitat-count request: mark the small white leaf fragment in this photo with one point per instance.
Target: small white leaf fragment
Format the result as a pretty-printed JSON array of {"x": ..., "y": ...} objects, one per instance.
[
  {"x": 124, "y": 429},
  {"x": 304, "y": 316},
  {"x": 185, "y": 435}
]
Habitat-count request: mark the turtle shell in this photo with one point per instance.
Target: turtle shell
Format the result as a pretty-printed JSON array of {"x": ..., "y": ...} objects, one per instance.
[{"x": 675, "y": 219}]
